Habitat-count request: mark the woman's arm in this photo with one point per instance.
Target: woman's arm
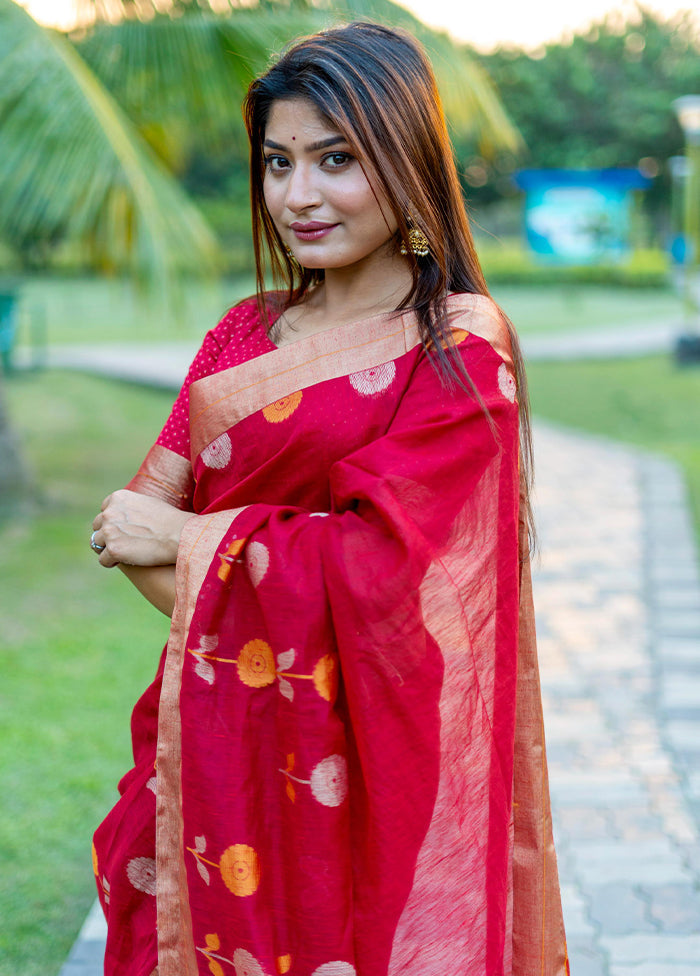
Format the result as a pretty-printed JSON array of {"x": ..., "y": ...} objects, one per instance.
[
  {"x": 155, "y": 583},
  {"x": 141, "y": 535}
]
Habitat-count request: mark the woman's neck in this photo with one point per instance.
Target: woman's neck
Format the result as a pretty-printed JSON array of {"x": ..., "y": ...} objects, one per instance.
[{"x": 349, "y": 294}]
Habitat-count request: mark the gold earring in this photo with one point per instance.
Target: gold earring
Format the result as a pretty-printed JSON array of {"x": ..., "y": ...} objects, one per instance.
[
  {"x": 418, "y": 243},
  {"x": 292, "y": 259}
]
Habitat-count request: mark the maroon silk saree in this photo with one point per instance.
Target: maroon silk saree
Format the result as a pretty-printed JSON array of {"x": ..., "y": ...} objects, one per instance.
[{"x": 339, "y": 768}]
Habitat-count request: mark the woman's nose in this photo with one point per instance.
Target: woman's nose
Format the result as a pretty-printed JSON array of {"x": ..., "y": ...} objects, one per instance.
[{"x": 302, "y": 189}]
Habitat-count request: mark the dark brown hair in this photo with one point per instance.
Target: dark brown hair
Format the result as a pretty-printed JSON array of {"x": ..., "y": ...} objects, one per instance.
[{"x": 376, "y": 86}]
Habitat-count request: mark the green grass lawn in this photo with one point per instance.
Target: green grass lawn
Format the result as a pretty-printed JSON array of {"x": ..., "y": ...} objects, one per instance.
[
  {"x": 78, "y": 645},
  {"x": 649, "y": 402},
  {"x": 68, "y": 310},
  {"x": 582, "y": 307}
]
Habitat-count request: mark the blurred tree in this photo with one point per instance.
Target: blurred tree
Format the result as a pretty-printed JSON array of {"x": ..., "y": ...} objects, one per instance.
[{"x": 602, "y": 98}]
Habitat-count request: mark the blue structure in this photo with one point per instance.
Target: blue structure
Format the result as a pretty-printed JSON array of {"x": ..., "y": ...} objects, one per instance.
[{"x": 579, "y": 216}]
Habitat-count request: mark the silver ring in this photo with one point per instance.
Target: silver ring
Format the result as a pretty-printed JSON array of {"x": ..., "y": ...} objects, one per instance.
[{"x": 93, "y": 544}]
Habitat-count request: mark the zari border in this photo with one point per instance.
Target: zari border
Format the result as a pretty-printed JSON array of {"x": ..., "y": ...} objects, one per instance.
[
  {"x": 165, "y": 474},
  {"x": 220, "y": 401},
  {"x": 176, "y": 953},
  {"x": 539, "y": 941}
]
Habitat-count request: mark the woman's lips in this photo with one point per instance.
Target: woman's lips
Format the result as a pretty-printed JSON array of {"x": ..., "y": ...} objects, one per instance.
[{"x": 311, "y": 231}]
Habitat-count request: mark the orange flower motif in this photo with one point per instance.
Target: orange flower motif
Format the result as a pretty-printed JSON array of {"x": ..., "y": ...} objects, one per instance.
[
  {"x": 283, "y": 408},
  {"x": 325, "y": 677},
  {"x": 240, "y": 869},
  {"x": 458, "y": 335},
  {"x": 256, "y": 664},
  {"x": 284, "y": 964},
  {"x": 228, "y": 558}
]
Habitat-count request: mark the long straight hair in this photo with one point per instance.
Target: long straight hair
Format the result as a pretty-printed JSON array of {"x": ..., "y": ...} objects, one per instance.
[{"x": 375, "y": 85}]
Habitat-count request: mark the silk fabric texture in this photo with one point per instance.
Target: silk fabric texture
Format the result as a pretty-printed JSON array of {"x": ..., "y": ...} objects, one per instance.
[{"x": 340, "y": 767}]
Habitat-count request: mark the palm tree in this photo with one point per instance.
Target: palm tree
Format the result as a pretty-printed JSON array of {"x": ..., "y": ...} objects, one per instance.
[{"x": 96, "y": 126}]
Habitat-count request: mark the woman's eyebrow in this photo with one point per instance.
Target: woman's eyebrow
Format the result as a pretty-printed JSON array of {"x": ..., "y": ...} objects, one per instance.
[{"x": 313, "y": 147}]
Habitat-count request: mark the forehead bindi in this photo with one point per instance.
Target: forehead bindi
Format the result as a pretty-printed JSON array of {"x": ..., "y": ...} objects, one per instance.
[{"x": 298, "y": 120}]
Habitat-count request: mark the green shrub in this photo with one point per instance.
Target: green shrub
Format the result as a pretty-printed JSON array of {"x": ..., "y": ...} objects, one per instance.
[{"x": 511, "y": 264}]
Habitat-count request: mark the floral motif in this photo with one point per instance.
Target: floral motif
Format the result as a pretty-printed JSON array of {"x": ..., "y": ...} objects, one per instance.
[
  {"x": 278, "y": 411},
  {"x": 246, "y": 964},
  {"x": 240, "y": 870},
  {"x": 256, "y": 664},
  {"x": 152, "y": 785},
  {"x": 256, "y": 667},
  {"x": 239, "y": 866},
  {"x": 335, "y": 969},
  {"x": 141, "y": 872},
  {"x": 204, "y": 654},
  {"x": 325, "y": 677},
  {"x": 228, "y": 558},
  {"x": 329, "y": 781},
  {"x": 284, "y": 964},
  {"x": 218, "y": 453},
  {"x": 370, "y": 382},
  {"x": 506, "y": 383},
  {"x": 257, "y": 557}
]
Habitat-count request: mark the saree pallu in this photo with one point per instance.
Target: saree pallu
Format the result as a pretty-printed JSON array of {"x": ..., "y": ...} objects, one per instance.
[{"x": 339, "y": 769}]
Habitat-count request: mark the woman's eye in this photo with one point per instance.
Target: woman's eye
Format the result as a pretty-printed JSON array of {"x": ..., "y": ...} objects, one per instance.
[
  {"x": 336, "y": 160},
  {"x": 276, "y": 163}
]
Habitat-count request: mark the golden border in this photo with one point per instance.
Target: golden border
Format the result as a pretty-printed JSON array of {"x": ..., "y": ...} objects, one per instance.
[
  {"x": 220, "y": 401},
  {"x": 200, "y": 540}
]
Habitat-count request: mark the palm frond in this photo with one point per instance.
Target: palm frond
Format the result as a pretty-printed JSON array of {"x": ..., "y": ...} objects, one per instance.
[
  {"x": 193, "y": 70},
  {"x": 73, "y": 168},
  {"x": 199, "y": 65}
]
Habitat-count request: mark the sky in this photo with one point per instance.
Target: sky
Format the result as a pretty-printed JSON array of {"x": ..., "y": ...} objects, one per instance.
[{"x": 485, "y": 25}]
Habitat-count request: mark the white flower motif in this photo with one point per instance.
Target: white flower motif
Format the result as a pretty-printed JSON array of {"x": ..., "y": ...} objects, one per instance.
[
  {"x": 218, "y": 453},
  {"x": 257, "y": 557},
  {"x": 246, "y": 965},
  {"x": 506, "y": 383},
  {"x": 370, "y": 382},
  {"x": 334, "y": 969},
  {"x": 329, "y": 781},
  {"x": 152, "y": 784},
  {"x": 319, "y": 514},
  {"x": 205, "y": 671},
  {"x": 141, "y": 872}
]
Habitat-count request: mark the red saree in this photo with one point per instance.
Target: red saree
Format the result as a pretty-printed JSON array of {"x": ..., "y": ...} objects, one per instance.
[{"x": 344, "y": 782}]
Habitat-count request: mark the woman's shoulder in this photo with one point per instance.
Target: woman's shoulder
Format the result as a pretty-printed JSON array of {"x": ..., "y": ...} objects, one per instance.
[{"x": 479, "y": 315}]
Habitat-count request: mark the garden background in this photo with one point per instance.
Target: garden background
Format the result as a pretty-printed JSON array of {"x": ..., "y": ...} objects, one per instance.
[{"x": 124, "y": 218}]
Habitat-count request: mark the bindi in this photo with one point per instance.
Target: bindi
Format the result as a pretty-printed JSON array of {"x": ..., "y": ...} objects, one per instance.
[{"x": 294, "y": 138}]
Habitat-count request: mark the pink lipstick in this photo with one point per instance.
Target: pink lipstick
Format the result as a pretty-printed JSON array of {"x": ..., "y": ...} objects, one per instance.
[{"x": 311, "y": 231}]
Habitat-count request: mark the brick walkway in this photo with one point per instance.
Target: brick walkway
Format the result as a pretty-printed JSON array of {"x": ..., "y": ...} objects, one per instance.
[{"x": 618, "y": 607}]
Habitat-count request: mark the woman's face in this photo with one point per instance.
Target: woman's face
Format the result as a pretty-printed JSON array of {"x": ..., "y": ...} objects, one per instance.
[{"x": 322, "y": 204}]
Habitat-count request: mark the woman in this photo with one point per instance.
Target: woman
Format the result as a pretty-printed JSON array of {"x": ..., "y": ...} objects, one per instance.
[{"x": 325, "y": 763}]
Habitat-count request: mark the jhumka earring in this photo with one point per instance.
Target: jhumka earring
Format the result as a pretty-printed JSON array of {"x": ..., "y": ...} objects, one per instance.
[
  {"x": 292, "y": 259},
  {"x": 418, "y": 243}
]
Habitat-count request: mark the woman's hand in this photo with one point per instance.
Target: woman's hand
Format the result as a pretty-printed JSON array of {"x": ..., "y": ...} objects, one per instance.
[{"x": 138, "y": 530}]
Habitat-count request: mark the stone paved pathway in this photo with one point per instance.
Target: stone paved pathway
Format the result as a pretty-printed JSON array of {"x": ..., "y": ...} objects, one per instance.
[{"x": 618, "y": 607}]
